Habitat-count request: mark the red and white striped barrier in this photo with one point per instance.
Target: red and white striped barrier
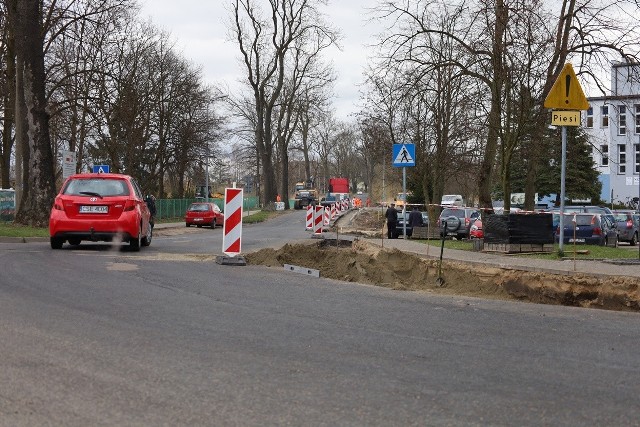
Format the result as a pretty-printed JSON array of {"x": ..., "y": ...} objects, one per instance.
[
  {"x": 327, "y": 215},
  {"x": 232, "y": 229},
  {"x": 334, "y": 211},
  {"x": 318, "y": 219},
  {"x": 345, "y": 205},
  {"x": 309, "y": 224}
]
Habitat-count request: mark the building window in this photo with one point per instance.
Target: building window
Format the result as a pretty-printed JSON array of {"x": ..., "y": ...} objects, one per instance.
[
  {"x": 637, "y": 118},
  {"x": 622, "y": 159},
  {"x": 589, "y": 123},
  {"x": 604, "y": 114},
  {"x": 604, "y": 155},
  {"x": 622, "y": 120},
  {"x": 637, "y": 156}
]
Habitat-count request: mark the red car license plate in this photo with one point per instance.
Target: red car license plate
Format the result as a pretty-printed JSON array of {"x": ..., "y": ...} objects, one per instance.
[{"x": 94, "y": 209}]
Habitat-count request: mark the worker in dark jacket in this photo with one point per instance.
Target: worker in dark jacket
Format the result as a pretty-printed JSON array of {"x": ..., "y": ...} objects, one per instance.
[
  {"x": 415, "y": 218},
  {"x": 392, "y": 220},
  {"x": 151, "y": 204}
]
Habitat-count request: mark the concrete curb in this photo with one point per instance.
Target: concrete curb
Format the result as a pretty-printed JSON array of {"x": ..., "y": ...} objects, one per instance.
[{"x": 4, "y": 239}]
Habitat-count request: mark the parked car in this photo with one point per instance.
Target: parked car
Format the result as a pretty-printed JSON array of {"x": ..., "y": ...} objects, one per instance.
[
  {"x": 100, "y": 207},
  {"x": 569, "y": 210},
  {"x": 627, "y": 223},
  {"x": 455, "y": 221},
  {"x": 452, "y": 200},
  {"x": 588, "y": 209},
  {"x": 401, "y": 220},
  {"x": 590, "y": 229},
  {"x": 476, "y": 232},
  {"x": 203, "y": 213}
]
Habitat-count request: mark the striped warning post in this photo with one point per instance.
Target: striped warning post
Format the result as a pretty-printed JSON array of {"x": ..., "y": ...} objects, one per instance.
[
  {"x": 232, "y": 229},
  {"x": 327, "y": 215},
  {"x": 309, "y": 224},
  {"x": 318, "y": 219},
  {"x": 334, "y": 211},
  {"x": 345, "y": 205}
]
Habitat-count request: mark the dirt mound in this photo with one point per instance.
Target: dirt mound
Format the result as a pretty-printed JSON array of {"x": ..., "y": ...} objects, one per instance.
[
  {"x": 363, "y": 222},
  {"x": 370, "y": 264}
]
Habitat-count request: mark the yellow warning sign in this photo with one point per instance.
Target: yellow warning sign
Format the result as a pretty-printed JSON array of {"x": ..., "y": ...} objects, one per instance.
[{"x": 566, "y": 93}]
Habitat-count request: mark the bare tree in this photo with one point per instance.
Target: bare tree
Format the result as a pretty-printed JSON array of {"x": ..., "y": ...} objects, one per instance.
[
  {"x": 373, "y": 137},
  {"x": 490, "y": 34},
  {"x": 307, "y": 75},
  {"x": 78, "y": 33},
  {"x": 313, "y": 103},
  {"x": 590, "y": 33},
  {"x": 268, "y": 47},
  {"x": 324, "y": 145}
]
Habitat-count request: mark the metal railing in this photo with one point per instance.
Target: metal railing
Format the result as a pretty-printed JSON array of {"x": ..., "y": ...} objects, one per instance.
[{"x": 165, "y": 208}]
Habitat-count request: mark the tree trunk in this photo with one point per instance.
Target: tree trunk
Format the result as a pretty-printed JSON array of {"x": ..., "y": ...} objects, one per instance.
[
  {"x": 488, "y": 162},
  {"x": 9, "y": 108},
  {"x": 25, "y": 17}
]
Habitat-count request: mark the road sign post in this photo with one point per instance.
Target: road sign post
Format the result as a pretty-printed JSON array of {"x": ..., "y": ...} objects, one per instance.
[
  {"x": 404, "y": 155},
  {"x": 565, "y": 94}
]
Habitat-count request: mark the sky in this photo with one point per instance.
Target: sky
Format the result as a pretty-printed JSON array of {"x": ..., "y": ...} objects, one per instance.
[{"x": 200, "y": 30}]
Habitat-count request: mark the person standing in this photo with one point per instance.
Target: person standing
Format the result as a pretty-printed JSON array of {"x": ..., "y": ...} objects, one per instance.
[
  {"x": 151, "y": 204},
  {"x": 392, "y": 220},
  {"x": 415, "y": 218}
]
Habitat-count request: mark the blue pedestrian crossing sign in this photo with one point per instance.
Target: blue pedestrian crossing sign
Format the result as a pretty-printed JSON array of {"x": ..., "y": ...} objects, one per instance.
[
  {"x": 100, "y": 168},
  {"x": 404, "y": 155}
]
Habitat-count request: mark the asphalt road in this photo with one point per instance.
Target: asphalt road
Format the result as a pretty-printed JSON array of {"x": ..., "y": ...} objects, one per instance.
[{"x": 97, "y": 336}]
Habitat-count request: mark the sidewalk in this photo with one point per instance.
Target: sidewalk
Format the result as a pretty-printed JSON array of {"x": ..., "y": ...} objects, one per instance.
[{"x": 561, "y": 267}]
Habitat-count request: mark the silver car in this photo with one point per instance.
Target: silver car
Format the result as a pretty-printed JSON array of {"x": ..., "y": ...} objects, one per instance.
[
  {"x": 457, "y": 221},
  {"x": 627, "y": 224}
]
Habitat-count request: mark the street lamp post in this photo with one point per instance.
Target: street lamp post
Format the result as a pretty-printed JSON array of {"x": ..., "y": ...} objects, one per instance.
[
  {"x": 206, "y": 179},
  {"x": 206, "y": 167}
]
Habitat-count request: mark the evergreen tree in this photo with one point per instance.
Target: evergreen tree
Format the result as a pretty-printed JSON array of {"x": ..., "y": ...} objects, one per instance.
[{"x": 581, "y": 180}]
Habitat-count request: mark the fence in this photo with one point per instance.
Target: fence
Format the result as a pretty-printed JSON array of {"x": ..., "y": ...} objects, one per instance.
[{"x": 176, "y": 208}]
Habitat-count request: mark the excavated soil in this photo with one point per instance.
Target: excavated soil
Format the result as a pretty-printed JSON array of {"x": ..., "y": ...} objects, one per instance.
[{"x": 367, "y": 263}]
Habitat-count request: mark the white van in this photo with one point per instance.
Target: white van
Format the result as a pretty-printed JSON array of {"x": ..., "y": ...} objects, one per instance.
[{"x": 452, "y": 200}]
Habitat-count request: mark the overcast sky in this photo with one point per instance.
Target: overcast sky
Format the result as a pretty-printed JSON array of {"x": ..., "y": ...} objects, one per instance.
[{"x": 199, "y": 28}]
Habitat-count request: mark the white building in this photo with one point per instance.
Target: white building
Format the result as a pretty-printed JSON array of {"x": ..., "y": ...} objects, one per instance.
[{"x": 613, "y": 124}]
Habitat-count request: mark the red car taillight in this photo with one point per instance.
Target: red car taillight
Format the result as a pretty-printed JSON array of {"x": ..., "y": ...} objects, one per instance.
[
  {"x": 130, "y": 205},
  {"x": 597, "y": 231},
  {"x": 57, "y": 205}
]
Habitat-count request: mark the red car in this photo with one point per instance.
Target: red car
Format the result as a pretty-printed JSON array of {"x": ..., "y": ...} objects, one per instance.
[
  {"x": 476, "y": 232},
  {"x": 203, "y": 213},
  {"x": 100, "y": 207}
]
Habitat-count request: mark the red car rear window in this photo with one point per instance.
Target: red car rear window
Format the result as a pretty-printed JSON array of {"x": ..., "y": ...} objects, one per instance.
[
  {"x": 100, "y": 186},
  {"x": 199, "y": 207}
]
